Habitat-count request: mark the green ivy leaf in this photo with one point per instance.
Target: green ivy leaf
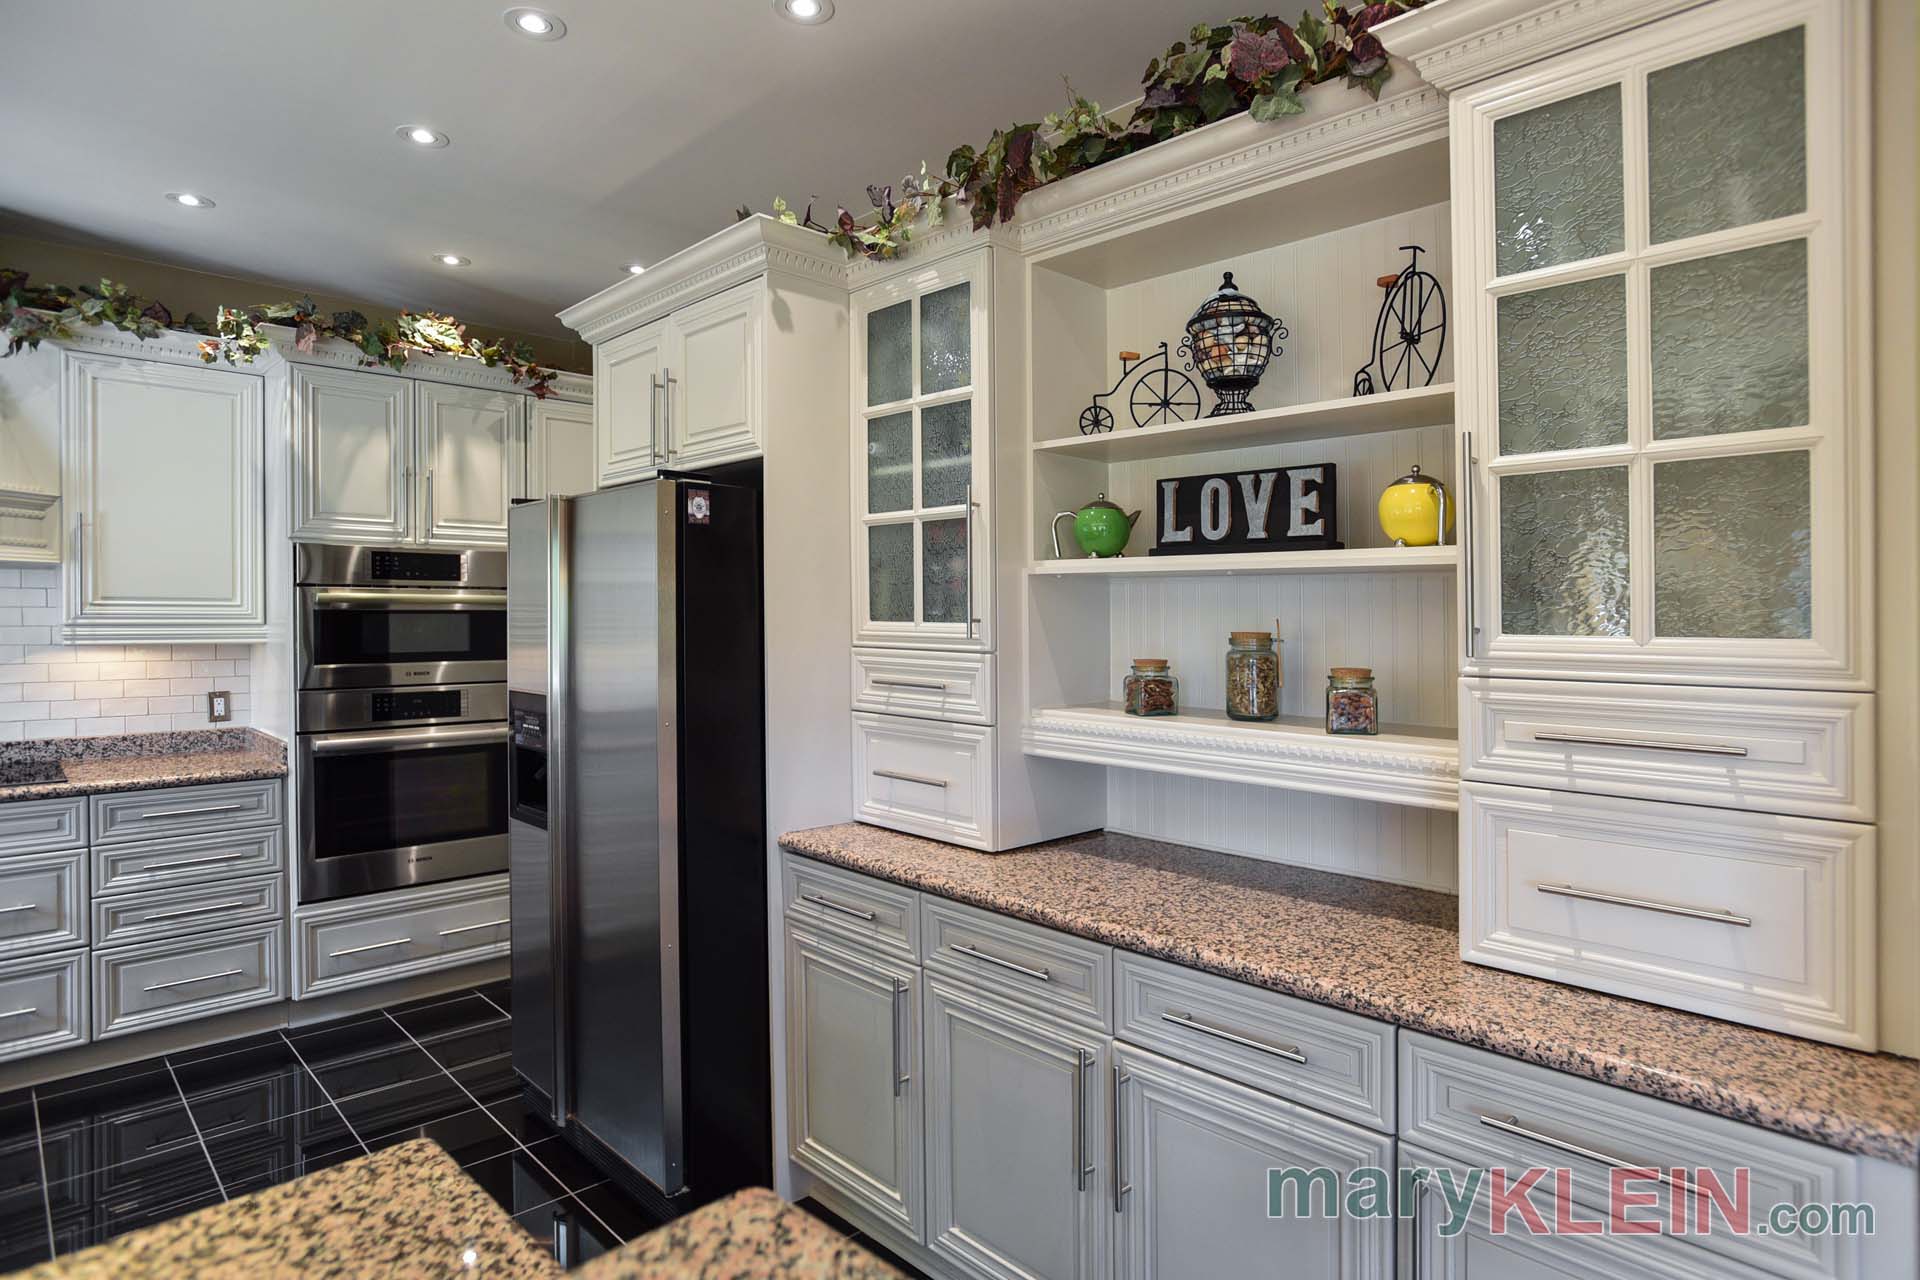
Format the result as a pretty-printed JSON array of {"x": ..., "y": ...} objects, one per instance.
[
  {"x": 1269, "y": 107},
  {"x": 1217, "y": 100},
  {"x": 1190, "y": 65}
]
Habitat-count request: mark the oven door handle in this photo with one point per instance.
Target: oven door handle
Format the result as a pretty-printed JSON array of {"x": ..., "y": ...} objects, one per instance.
[
  {"x": 332, "y": 744},
  {"x": 327, "y": 597}
]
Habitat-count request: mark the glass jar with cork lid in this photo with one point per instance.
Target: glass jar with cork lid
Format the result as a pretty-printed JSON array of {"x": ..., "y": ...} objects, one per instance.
[
  {"x": 1352, "y": 704},
  {"x": 1150, "y": 689},
  {"x": 1253, "y": 676}
]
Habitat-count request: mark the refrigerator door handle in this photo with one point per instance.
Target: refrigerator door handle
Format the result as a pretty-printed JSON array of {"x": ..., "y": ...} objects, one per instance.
[{"x": 560, "y": 918}]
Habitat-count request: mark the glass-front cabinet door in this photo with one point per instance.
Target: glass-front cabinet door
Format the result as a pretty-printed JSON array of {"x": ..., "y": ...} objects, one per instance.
[
  {"x": 1664, "y": 421},
  {"x": 920, "y": 479}
]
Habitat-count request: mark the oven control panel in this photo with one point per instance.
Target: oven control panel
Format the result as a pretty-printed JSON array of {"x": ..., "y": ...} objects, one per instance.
[
  {"x": 416, "y": 566},
  {"x": 417, "y": 704}
]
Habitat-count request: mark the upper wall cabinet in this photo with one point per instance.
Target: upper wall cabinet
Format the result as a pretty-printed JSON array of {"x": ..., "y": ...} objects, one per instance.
[
  {"x": 470, "y": 444},
  {"x": 149, "y": 446},
  {"x": 1664, "y": 412},
  {"x": 559, "y": 449},
  {"x": 627, "y": 414}
]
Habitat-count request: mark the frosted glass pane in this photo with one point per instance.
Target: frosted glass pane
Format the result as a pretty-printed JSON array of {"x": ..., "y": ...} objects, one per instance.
[
  {"x": 890, "y": 353},
  {"x": 943, "y": 591},
  {"x": 890, "y": 463},
  {"x": 1733, "y": 547},
  {"x": 946, "y": 339},
  {"x": 1557, "y": 186},
  {"x": 890, "y": 572},
  {"x": 1730, "y": 342},
  {"x": 946, "y": 453},
  {"x": 1563, "y": 367},
  {"x": 1727, "y": 137},
  {"x": 1563, "y": 553}
]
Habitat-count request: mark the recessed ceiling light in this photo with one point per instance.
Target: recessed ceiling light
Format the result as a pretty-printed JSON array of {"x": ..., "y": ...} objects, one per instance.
[
  {"x": 809, "y": 13},
  {"x": 635, "y": 268},
  {"x": 189, "y": 200},
  {"x": 452, "y": 260},
  {"x": 421, "y": 136},
  {"x": 538, "y": 24}
]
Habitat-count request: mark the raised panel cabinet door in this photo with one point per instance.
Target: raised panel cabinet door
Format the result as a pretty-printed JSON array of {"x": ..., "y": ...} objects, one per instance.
[
  {"x": 559, "y": 450},
  {"x": 352, "y": 462},
  {"x": 150, "y": 446},
  {"x": 853, "y": 1076},
  {"x": 713, "y": 382},
  {"x": 470, "y": 444},
  {"x": 628, "y": 414},
  {"x": 1015, "y": 1142}
]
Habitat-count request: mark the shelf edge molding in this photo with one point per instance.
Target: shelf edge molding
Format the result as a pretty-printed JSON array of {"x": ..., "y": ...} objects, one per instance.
[
  {"x": 1351, "y": 560},
  {"x": 1410, "y": 407}
]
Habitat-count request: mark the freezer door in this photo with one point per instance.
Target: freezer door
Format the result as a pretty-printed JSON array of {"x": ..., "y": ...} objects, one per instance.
[{"x": 530, "y": 550}]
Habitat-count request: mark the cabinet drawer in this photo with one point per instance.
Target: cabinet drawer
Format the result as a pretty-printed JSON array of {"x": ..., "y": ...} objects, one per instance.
[
  {"x": 923, "y": 776},
  {"x": 142, "y": 815},
  {"x": 1487, "y": 1111},
  {"x": 880, "y": 915},
  {"x": 396, "y": 935},
  {"x": 185, "y": 909},
  {"x": 43, "y": 1004},
  {"x": 935, "y": 686},
  {"x": 1044, "y": 969},
  {"x": 37, "y": 826},
  {"x": 1767, "y": 750},
  {"x": 157, "y": 984},
  {"x": 43, "y": 902},
  {"x": 124, "y": 868},
  {"x": 1333, "y": 1061},
  {"x": 1753, "y": 918}
]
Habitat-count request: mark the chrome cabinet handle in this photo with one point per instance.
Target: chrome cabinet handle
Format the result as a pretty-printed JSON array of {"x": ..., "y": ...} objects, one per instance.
[
  {"x": 1644, "y": 744},
  {"x": 1082, "y": 1122},
  {"x": 19, "y": 1013},
  {"x": 937, "y": 685},
  {"x": 1512, "y": 1125},
  {"x": 183, "y": 982},
  {"x": 1647, "y": 904},
  {"x": 669, "y": 381},
  {"x": 831, "y": 905},
  {"x": 429, "y": 501},
  {"x": 975, "y": 954},
  {"x": 1120, "y": 1184},
  {"x": 25, "y": 906},
  {"x": 1290, "y": 1052},
  {"x": 193, "y": 862},
  {"x": 371, "y": 946},
  {"x": 911, "y": 777},
  {"x": 970, "y": 549},
  {"x": 653, "y": 415},
  {"x": 191, "y": 911},
  {"x": 186, "y": 813},
  {"x": 900, "y": 1073},
  {"x": 469, "y": 928},
  {"x": 1466, "y": 540}
]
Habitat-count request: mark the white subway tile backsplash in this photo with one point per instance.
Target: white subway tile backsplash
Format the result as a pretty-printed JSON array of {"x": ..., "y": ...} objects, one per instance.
[
  {"x": 48, "y": 728},
  {"x": 169, "y": 669},
  {"x": 45, "y": 690},
  {"x": 77, "y": 709},
  {"x": 199, "y": 684},
  {"x": 52, "y": 690},
  {"x": 98, "y": 688}
]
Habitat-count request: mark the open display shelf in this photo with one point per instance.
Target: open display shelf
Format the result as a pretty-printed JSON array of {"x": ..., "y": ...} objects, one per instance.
[
  {"x": 1320, "y": 420},
  {"x": 1403, "y": 764},
  {"x": 1351, "y": 560}
]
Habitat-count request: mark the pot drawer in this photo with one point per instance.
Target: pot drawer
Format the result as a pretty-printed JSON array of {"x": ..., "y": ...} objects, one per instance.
[
  {"x": 1327, "y": 1059},
  {"x": 923, "y": 776},
  {"x": 1766, "y": 750},
  {"x": 1754, "y": 918},
  {"x": 37, "y": 826},
  {"x": 125, "y": 868},
  {"x": 880, "y": 915},
  {"x": 185, "y": 909},
  {"x": 144, "y": 815},
  {"x": 354, "y": 944},
  {"x": 43, "y": 902},
  {"x": 43, "y": 1004},
  {"x": 1044, "y": 969},
  {"x": 157, "y": 984},
  {"x": 933, "y": 686}
]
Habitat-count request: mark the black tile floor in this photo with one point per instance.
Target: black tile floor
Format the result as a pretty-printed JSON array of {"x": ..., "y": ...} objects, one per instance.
[{"x": 87, "y": 1158}]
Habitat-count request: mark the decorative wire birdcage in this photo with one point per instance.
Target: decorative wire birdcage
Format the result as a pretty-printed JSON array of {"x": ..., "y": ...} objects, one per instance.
[{"x": 1230, "y": 340}]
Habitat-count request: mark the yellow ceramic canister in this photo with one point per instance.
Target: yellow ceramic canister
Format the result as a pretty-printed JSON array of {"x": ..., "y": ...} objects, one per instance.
[{"x": 1416, "y": 511}]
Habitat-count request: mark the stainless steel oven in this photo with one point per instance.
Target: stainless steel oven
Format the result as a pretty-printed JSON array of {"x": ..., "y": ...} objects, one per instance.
[{"x": 377, "y": 617}]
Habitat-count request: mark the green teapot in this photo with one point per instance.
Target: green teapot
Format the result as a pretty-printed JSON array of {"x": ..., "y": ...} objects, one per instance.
[{"x": 1101, "y": 528}]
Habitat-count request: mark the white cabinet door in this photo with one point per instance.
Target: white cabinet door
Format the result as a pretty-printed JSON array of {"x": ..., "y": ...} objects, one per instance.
[
  {"x": 469, "y": 444},
  {"x": 559, "y": 449},
  {"x": 1191, "y": 1183},
  {"x": 1015, "y": 1156},
  {"x": 162, "y": 476},
  {"x": 627, "y": 403},
  {"x": 713, "y": 379},
  {"x": 853, "y": 1076},
  {"x": 352, "y": 456}
]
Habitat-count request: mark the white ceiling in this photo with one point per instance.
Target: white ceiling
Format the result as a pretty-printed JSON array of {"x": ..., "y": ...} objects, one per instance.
[{"x": 631, "y": 138}]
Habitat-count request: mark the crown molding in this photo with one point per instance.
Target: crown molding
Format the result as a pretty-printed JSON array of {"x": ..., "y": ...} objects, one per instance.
[
  {"x": 1453, "y": 43},
  {"x": 459, "y": 371}
]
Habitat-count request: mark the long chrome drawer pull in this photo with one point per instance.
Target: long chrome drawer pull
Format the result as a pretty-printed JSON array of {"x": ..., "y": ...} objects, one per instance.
[
  {"x": 911, "y": 777},
  {"x": 939, "y": 686},
  {"x": 1082, "y": 1123},
  {"x": 1290, "y": 1052},
  {"x": 1647, "y": 904},
  {"x": 1512, "y": 1125},
  {"x": 183, "y": 982},
  {"x": 192, "y": 911},
  {"x": 20, "y": 1013},
  {"x": 469, "y": 928},
  {"x": 1645, "y": 744},
  {"x": 900, "y": 1073},
  {"x": 192, "y": 862},
  {"x": 968, "y": 951},
  {"x": 1120, "y": 1184},
  {"x": 25, "y": 906},
  {"x": 185, "y": 813},
  {"x": 831, "y": 905},
  {"x": 371, "y": 946}
]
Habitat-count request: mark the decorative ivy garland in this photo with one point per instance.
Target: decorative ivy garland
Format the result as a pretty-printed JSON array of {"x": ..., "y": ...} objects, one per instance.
[
  {"x": 31, "y": 313},
  {"x": 1256, "y": 65}
]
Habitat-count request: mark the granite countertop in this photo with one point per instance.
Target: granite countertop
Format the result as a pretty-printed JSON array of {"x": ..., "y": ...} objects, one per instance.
[
  {"x": 750, "y": 1235},
  {"x": 145, "y": 761},
  {"x": 1393, "y": 953}
]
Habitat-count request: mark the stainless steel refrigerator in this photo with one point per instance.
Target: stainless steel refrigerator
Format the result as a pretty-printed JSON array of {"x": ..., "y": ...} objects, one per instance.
[{"x": 636, "y": 829}]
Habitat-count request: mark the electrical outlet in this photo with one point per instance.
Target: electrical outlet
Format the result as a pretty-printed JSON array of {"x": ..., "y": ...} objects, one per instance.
[{"x": 219, "y": 705}]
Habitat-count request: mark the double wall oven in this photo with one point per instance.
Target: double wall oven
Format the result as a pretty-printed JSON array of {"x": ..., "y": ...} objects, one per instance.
[{"x": 401, "y": 658}]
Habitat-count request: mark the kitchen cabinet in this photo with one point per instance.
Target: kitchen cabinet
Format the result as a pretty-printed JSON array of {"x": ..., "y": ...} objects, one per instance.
[
  {"x": 469, "y": 443},
  {"x": 559, "y": 449},
  {"x": 146, "y": 446},
  {"x": 627, "y": 414}
]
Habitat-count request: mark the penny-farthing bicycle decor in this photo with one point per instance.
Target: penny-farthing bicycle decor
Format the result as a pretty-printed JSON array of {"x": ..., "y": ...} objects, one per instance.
[
  {"x": 1161, "y": 394},
  {"x": 1410, "y": 333}
]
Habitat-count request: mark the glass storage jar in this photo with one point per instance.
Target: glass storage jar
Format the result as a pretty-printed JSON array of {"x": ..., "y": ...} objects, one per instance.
[
  {"x": 1150, "y": 689},
  {"x": 1253, "y": 676},
  {"x": 1352, "y": 704}
]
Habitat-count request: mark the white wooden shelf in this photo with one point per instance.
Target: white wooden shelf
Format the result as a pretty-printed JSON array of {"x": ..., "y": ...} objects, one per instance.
[
  {"x": 1351, "y": 560},
  {"x": 1406, "y": 765},
  {"x": 1320, "y": 420}
]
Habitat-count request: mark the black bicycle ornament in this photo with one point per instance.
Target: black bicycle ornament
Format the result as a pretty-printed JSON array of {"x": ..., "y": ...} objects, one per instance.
[
  {"x": 1410, "y": 333},
  {"x": 1161, "y": 394}
]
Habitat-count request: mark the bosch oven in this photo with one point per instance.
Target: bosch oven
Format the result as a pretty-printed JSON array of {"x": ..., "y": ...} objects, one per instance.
[{"x": 371, "y": 617}]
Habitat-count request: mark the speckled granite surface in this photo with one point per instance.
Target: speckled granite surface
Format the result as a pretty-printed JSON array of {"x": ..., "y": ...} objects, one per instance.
[
  {"x": 144, "y": 761},
  {"x": 750, "y": 1235},
  {"x": 1393, "y": 953}
]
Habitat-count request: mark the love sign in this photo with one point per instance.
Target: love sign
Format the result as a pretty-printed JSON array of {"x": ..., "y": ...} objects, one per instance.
[{"x": 1272, "y": 509}]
